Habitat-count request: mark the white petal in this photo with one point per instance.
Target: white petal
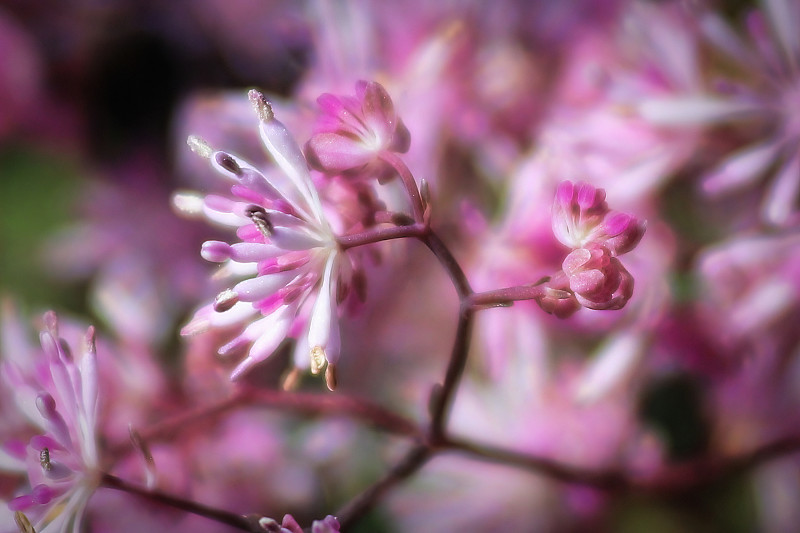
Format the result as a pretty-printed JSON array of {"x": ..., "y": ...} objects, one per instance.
[
  {"x": 740, "y": 169},
  {"x": 784, "y": 18},
  {"x": 255, "y": 289},
  {"x": 278, "y": 324},
  {"x": 693, "y": 111},
  {"x": 609, "y": 367},
  {"x": 323, "y": 315},
  {"x": 782, "y": 193},
  {"x": 723, "y": 37},
  {"x": 250, "y": 252},
  {"x": 295, "y": 239}
]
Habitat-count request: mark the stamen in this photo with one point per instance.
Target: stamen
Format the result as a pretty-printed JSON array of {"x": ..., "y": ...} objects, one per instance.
[
  {"x": 227, "y": 162},
  {"x": 317, "y": 359},
  {"x": 330, "y": 377},
  {"x": 23, "y": 523},
  {"x": 225, "y": 300},
  {"x": 199, "y": 146},
  {"x": 259, "y": 216},
  {"x": 141, "y": 446},
  {"x": 261, "y": 105},
  {"x": 44, "y": 459}
]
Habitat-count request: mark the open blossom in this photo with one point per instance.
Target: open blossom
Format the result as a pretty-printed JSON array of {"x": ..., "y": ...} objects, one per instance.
[
  {"x": 288, "y": 250},
  {"x": 59, "y": 393},
  {"x": 352, "y": 131},
  {"x": 597, "y": 235}
]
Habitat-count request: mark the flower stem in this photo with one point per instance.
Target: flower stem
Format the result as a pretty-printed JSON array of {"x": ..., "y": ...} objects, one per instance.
[
  {"x": 361, "y": 504},
  {"x": 381, "y": 234},
  {"x": 236, "y": 521},
  {"x": 408, "y": 180}
]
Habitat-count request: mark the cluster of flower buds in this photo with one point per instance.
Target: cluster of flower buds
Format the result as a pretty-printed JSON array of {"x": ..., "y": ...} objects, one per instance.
[{"x": 592, "y": 275}]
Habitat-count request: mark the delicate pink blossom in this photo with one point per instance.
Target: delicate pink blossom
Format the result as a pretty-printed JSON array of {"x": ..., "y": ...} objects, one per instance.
[
  {"x": 581, "y": 216},
  {"x": 352, "y": 132},
  {"x": 287, "y": 249},
  {"x": 59, "y": 392}
]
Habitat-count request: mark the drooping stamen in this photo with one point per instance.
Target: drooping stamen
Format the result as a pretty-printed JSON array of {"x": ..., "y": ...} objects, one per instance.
[
  {"x": 317, "y": 359},
  {"x": 259, "y": 216}
]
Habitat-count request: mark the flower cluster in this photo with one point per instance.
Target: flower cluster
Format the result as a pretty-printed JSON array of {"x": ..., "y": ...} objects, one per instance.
[
  {"x": 593, "y": 276},
  {"x": 59, "y": 392},
  {"x": 288, "y": 247}
]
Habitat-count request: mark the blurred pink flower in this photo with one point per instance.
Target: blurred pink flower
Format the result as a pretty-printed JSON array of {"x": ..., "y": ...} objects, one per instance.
[
  {"x": 352, "y": 131},
  {"x": 767, "y": 98},
  {"x": 59, "y": 392}
]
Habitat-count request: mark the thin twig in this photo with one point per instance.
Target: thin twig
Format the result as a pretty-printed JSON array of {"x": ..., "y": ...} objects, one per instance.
[{"x": 233, "y": 520}]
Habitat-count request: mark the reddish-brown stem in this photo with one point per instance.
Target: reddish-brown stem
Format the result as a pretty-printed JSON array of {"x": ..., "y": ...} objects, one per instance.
[
  {"x": 236, "y": 521},
  {"x": 308, "y": 404},
  {"x": 412, "y": 461},
  {"x": 381, "y": 234},
  {"x": 408, "y": 180},
  {"x": 600, "y": 479}
]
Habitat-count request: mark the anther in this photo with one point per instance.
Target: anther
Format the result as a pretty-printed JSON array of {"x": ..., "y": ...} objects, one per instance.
[
  {"x": 259, "y": 216},
  {"x": 225, "y": 300},
  {"x": 330, "y": 377},
  {"x": 317, "y": 359},
  {"x": 44, "y": 459},
  {"x": 227, "y": 162},
  {"x": 261, "y": 105},
  {"x": 199, "y": 146}
]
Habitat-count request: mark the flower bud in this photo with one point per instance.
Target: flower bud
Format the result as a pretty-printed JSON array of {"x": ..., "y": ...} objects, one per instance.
[{"x": 598, "y": 279}]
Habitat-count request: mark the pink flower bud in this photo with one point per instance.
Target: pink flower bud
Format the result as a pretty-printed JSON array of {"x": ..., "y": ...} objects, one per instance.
[
  {"x": 558, "y": 300},
  {"x": 620, "y": 232},
  {"x": 598, "y": 279}
]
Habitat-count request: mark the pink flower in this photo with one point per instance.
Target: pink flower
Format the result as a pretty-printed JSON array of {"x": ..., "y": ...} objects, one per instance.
[
  {"x": 59, "y": 392},
  {"x": 597, "y": 235},
  {"x": 581, "y": 216},
  {"x": 352, "y": 132},
  {"x": 598, "y": 279},
  {"x": 287, "y": 252}
]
